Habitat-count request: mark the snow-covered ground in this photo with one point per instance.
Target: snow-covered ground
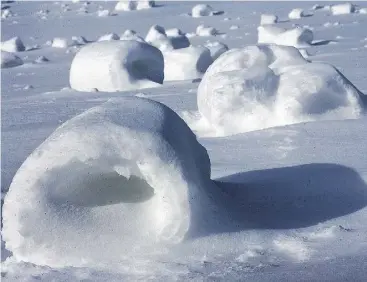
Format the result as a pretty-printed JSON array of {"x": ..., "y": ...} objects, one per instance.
[{"x": 105, "y": 186}]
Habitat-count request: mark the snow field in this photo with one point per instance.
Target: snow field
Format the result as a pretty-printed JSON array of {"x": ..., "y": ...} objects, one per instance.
[{"x": 116, "y": 66}]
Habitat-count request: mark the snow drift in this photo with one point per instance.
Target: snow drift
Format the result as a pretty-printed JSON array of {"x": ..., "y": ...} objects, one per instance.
[
  {"x": 116, "y": 65},
  {"x": 268, "y": 85},
  {"x": 9, "y": 60},
  {"x": 296, "y": 37},
  {"x": 186, "y": 63},
  {"x": 110, "y": 182}
]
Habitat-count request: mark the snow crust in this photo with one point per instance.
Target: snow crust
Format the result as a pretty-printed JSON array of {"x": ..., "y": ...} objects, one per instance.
[
  {"x": 296, "y": 37},
  {"x": 132, "y": 177},
  {"x": 9, "y": 60},
  {"x": 262, "y": 86},
  {"x": 14, "y": 44},
  {"x": 186, "y": 63},
  {"x": 116, "y": 65}
]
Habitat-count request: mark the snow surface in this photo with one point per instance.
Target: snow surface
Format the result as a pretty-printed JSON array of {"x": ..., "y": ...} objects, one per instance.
[
  {"x": 296, "y": 193},
  {"x": 116, "y": 65}
]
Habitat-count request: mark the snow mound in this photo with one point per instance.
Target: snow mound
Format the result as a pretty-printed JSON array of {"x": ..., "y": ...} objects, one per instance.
[
  {"x": 268, "y": 85},
  {"x": 157, "y": 37},
  {"x": 109, "y": 37},
  {"x": 60, "y": 42},
  {"x": 9, "y": 60},
  {"x": 104, "y": 13},
  {"x": 134, "y": 5},
  {"x": 296, "y": 37},
  {"x": 216, "y": 49},
  {"x": 268, "y": 19},
  {"x": 342, "y": 9},
  {"x": 131, "y": 35},
  {"x": 296, "y": 14},
  {"x": 132, "y": 177},
  {"x": 78, "y": 40},
  {"x": 14, "y": 44},
  {"x": 6, "y": 13},
  {"x": 186, "y": 63},
  {"x": 203, "y": 30},
  {"x": 116, "y": 66},
  {"x": 202, "y": 10}
]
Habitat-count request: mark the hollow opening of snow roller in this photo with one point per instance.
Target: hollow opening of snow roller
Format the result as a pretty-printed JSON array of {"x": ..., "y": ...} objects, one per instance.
[{"x": 90, "y": 187}]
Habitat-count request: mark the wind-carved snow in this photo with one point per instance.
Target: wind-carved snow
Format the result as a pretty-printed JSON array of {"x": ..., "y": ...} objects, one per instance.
[
  {"x": 186, "y": 63},
  {"x": 10, "y": 60},
  {"x": 116, "y": 65},
  {"x": 296, "y": 37},
  {"x": 134, "y": 176},
  {"x": 267, "y": 85}
]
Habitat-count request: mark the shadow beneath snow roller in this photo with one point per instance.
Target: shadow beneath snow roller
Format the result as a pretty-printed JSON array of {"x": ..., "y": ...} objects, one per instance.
[{"x": 289, "y": 197}]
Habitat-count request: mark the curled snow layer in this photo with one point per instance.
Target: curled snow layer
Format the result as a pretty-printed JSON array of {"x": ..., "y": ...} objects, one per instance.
[
  {"x": 296, "y": 37},
  {"x": 186, "y": 63},
  {"x": 134, "y": 5},
  {"x": 116, "y": 66},
  {"x": 109, "y": 37},
  {"x": 14, "y": 44},
  {"x": 216, "y": 49},
  {"x": 268, "y": 85},
  {"x": 132, "y": 177},
  {"x": 342, "y": 9},
  {"x": 9, "y": 60},
  {"x": 202, "y": 30},
  {"x": 59, "y": 42},
  {"x": 157, "y": 37},
  {"x": 296, "y": 14},
  {"x": 202, "y": 10},
  {"x": 131, "y": 35},
  {"x": 268, "y": 19}
]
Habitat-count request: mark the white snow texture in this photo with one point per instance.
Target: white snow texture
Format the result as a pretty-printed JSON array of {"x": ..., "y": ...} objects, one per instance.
[
  {"x": 267, "y": 85},
  {"x": 186, "y": 63},
  {"x": 296, "y": 37},
  {"x": 116, "y": 65},
  {"x": 133, "y": 174},
  {"x": 9, "y": 60}
]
